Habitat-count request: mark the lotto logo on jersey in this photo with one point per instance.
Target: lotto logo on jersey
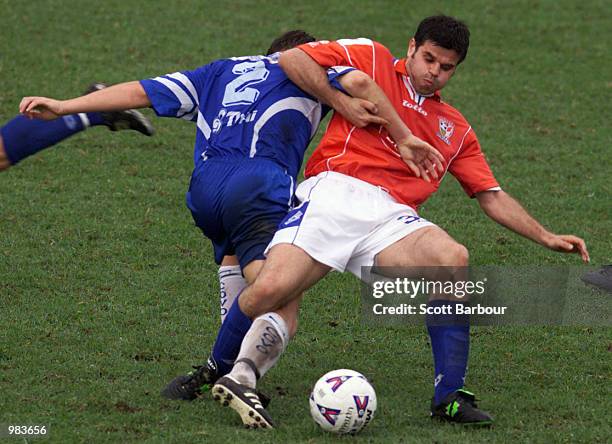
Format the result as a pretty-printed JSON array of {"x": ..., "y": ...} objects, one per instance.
[
  {"x": 445, "y": 129},
  {"x": 414, "y": 107}
]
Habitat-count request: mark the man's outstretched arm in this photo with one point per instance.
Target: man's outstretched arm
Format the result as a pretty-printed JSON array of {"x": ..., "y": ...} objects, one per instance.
[
  {"x": 118, "y": 97},
  {"x": 505, "y": 210}
]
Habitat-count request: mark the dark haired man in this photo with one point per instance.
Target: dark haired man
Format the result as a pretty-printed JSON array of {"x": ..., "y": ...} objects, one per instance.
[{"x": 358, "y": 208}]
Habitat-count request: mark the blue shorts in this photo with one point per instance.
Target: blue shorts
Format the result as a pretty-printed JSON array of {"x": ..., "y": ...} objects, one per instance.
[{"x": 238, "y": 204}]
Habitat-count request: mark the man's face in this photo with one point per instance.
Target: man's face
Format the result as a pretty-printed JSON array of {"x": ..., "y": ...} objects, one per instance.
[{"x": 430, "y": 66}]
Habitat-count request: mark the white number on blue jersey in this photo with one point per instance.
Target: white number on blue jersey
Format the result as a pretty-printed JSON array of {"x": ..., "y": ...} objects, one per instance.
[{"x": 238, "y": 91}]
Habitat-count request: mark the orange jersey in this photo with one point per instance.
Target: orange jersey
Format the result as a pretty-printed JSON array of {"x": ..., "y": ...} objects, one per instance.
[{"x": 370, "y": 155}]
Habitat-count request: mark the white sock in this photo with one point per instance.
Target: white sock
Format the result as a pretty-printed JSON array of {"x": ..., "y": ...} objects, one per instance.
[
  {"x": 231, "y": 284},
  {"x": 263, "y": 345}
]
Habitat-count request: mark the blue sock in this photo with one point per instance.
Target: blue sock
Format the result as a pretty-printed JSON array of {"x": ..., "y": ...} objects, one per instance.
[
  {"x": 23, "y": 137},
  {"x": 450, "y": 344},
  {"x": 229, "y": 338}
]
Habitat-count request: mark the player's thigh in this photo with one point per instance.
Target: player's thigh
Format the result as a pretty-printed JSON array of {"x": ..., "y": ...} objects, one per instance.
[
  {"x": 287, "y": 272},
  {"x": 4, "y": 162},
  {"x": 429, "y": 246}
]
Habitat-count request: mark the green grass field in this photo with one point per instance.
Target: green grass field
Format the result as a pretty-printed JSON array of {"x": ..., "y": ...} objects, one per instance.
[{"x": 107, "y": 290}]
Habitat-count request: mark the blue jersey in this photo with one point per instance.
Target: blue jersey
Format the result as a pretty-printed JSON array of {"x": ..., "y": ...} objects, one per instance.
[{"x": 244, "y": 107}]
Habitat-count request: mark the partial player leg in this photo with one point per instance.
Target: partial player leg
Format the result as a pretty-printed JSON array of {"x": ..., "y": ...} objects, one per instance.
[
  {"x": 23, "y": 137},
  {"x": 231, "y": 283},
  {"x": 4, "y": 162},
  {"x": 449, "y": 333},
  {"x": 261, "y": 348},
  {"x": 287, "y": 273}
]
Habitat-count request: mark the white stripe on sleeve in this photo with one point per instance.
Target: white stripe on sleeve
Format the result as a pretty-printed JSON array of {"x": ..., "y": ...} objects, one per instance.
[
  {"x": 203, "y": 126},
  {"x": 183, "y": 79},
  {"x": 186, "y": 103}
]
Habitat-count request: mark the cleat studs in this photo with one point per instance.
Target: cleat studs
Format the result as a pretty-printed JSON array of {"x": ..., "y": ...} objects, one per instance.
[
  {"x": 229, "y": 397},
  {"x": 225, "y": 403},
  {"x": 217, "y": 398},
  {"x": 263, "y": 425},
  {"x": 257, "y": 418},
  {"x": 251, "y": 413}
]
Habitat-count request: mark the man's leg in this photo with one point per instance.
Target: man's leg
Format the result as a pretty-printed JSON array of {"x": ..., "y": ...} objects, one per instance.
[
  {"x": 23, "y": 137},
  {"x": 288, "y": 271},
  {"x": 190, "y": 386},
  {"x": 231, "y": 283},
  {"x": 449, "y": 333},
  {"x": 272, "y": 301},
  {"x": 4, "y": 162}
]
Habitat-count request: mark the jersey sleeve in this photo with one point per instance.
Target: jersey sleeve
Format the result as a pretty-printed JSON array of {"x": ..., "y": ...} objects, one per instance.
[
  {"x": 335, "y": 72},
  {"x": 471, "y": 168},
  {"x": 176, "y": 94},
  {"x": 357, "y": 53}
]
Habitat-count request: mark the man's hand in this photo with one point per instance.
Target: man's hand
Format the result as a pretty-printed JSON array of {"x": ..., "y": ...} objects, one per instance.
[
  {"x": 359, "y": 112},
  {"x": 41, "y": 108},
  {"x": 422, "y": 158},
  {"x": 567, "y": 243}
]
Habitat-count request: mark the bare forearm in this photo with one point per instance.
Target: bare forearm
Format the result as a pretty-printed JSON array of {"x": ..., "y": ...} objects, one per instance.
[
  {"x": 309, "y": 76},
  {"x": 118, "y": 97},
  {"x": 360, "y": 85},
  {"x": 505, "y": 210}
]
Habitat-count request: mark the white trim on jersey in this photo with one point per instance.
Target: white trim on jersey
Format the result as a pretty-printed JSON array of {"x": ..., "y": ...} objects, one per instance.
[
  {"x": 408, "y": 87},
  {"x": 329, "y": 168},
  {"x": 455, "y": 155},
  {"x": 310, "y": 108},
  {"x": 414, "y": 95},
  {"x": 187, "y": 104},
  {"x": 184, "y": 80},
  {"x": 203, "y": 125},
  {"x": 373, "y": 62},
  {"x": 291, "y": 190},
  {"x": 347, "y": 42},
  {"x": 339, "y": 69},
  {"x": 190, "y": 116},
  {"x": 84, "y": 120}
]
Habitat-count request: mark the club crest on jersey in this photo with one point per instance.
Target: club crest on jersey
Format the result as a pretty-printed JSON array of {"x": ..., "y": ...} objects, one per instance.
[
  {"x": 331, "y": 415},
  {"x": 361, "y": 404},
  {"x": 337, "y": 381},
  {"x": 445, "y": 130}
]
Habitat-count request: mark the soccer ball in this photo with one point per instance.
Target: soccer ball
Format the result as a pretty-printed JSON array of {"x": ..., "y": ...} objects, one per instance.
[{"x": 343, "y": 401}]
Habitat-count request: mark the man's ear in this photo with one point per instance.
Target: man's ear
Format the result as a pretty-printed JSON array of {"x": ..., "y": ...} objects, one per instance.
[{"x": 411, "y": 47}]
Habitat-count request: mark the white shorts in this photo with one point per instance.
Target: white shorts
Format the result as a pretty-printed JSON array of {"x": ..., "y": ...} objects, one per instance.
[{"x": 345, "y": 222}]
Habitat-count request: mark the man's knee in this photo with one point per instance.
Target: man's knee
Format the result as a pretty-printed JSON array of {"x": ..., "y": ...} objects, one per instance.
[{"x": 454, "y": 255}]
